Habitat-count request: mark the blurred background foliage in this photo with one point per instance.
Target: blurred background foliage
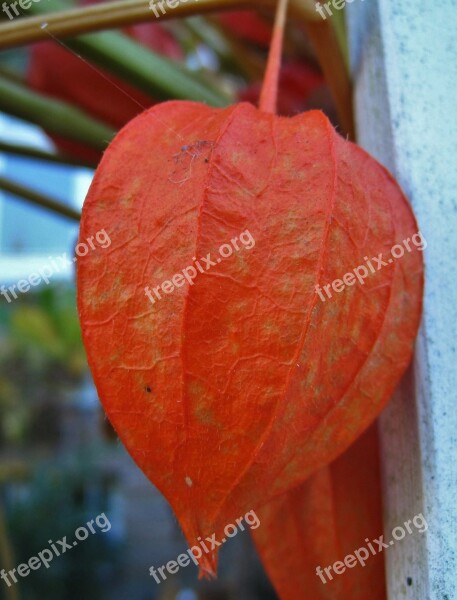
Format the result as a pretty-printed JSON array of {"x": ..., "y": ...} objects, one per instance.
[
  {"x": 56, "y": 500},
  {"x": 40, "y": 352}
]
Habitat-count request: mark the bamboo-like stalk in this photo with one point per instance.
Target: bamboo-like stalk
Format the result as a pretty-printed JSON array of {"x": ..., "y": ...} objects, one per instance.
[
  {"x": 29, "y": 195},
  {"x": 111, "y": 15}
]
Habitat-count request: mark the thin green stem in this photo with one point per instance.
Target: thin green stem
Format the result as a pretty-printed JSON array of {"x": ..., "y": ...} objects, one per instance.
[
  {"x": 39, "y": 199},
  {"x": 28, "y": 152}
]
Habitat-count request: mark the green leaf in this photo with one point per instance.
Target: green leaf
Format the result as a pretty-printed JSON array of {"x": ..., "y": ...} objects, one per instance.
[{"x": 152, "y": 73}]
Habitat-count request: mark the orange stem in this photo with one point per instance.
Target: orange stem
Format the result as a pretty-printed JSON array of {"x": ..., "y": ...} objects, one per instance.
[{"x": 269, "y": 95}]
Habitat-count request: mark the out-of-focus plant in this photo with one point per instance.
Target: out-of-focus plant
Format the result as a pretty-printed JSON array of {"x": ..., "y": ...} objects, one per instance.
[
  {"x": 46, "y": 332},
  {"x": 53, "y": 504},
  {"x": 40, "y": 353}
]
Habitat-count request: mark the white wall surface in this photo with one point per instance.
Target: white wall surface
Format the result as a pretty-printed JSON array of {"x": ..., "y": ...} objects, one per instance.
[{"x": 404, "y": 64}]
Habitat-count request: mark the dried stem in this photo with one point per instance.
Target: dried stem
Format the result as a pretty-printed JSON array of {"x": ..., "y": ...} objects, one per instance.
[{"x": 111, "y": 15}]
